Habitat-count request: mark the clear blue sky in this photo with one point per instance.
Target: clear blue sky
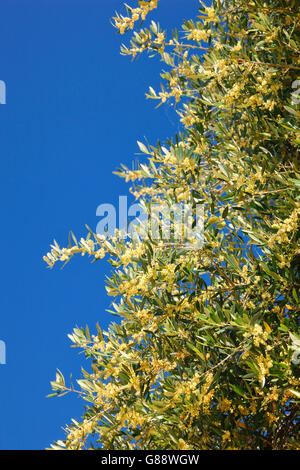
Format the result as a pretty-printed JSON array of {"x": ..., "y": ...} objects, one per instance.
[{"x": 75, "y": 109}]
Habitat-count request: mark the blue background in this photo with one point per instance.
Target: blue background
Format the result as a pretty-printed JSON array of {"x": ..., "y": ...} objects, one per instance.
[{"x": 75, "y": 109}]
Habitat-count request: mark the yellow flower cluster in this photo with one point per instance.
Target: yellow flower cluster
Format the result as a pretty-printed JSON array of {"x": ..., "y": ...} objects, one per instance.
[
  {"x": 259, "y": 335},
  {"x": 254, "y": 101},
  {"x": 130, "y": 288},
  {"x": 144, "y": 315},
  {"x": 64, "y": 254},
  {"x": 161, "y": 365},
  {"x": 160, "y": 38},
  {"x": 77, "y": 435},
  {"x": 133, "y": 418},
  {"x": 226, "y": 436},
  {"x": 140, "y": 284},
  {"x": 225, "y": 405},
  {"x": 273, "y": 395},
  {"x": 198, "y": 35},
  {"x": 264, "y": 364},
  {"x": 272, "y": 36},
  {"x": 182, "y": 445},
  {"x": 123, "y": 23},
  {"x": 243, "y": 410},
  {"x": 106, "y": 392},
  {"x": 187, "y": 387},
  {"x": 234, "y": 93},
  {"x": 130, "y": 252},
  {"x": 211, "y": 15},
  {"x": 288, "y": 225},
  {"x": 133, "y": 175},
  {"x": 175, "y": 93},
  {"x": 237, "y": 47},
  {"x": 168, "y": 273}
]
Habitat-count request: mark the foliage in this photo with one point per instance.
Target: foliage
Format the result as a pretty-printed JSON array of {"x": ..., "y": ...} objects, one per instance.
[{"x": 204, "y": 354}]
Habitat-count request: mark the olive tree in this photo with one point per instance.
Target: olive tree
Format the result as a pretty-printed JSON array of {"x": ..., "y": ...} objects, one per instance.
[{"x": 206, "y": 352}]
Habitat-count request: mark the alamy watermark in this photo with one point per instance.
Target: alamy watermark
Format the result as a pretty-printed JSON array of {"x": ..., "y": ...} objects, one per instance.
[
  {"x": 296, "y": 348},
  {"x": 2, "y": 92},
  {"x": 2, "y": 352},
  {"x": 174, "y": 223},
  {"x": 296, "y": 93},
  {"x": 2, "y": 101}
]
